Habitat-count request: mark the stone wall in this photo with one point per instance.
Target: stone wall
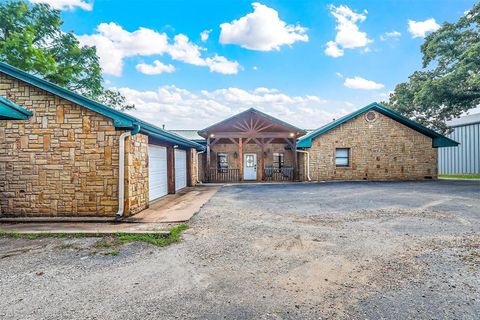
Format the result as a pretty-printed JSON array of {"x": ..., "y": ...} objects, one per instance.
[
  {"x": 136, "y": 174},
  {"x": 193, "y": 167},
  {"x": 63, "y": 161},
  {"x": 380, "y": 150}
]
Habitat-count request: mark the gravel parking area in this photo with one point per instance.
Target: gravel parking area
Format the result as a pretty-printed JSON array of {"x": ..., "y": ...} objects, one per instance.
[{"x": 351, "y": 250}]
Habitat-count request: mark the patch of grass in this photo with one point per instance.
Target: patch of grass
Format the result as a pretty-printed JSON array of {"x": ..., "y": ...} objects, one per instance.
[
  {"x": 157, "y": 240},
  {"x": 33, "y": 236},
  {"x": 460, "y": 176},
  {"x": 113, "y": 252},
  {"x": 160, "y": 240},
  {"x": 105, "y": 243}
]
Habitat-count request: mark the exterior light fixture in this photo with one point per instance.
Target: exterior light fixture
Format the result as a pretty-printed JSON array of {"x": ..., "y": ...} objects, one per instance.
[
  {"x": 212, "y": 135},
  {"x": 292, "y": 135}
]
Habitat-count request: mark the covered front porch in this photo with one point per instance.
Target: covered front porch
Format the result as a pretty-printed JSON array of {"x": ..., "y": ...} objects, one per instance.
[{"x": 251, "y": 146}]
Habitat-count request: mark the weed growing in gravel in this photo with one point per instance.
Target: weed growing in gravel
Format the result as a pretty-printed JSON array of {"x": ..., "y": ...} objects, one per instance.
[
  {"x": 113, "y": 252},
  {"x": 158, "y": 240},
  {"x": 105, "y": 243}
]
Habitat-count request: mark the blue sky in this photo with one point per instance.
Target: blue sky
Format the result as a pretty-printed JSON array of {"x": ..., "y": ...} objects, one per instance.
[{"x": 306, "y": 62}]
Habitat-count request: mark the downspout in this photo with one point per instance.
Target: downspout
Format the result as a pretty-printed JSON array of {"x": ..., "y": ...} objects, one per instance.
[
  {"x": 121, "y": 168},
  {"x": 308, "y": 162},
  {"x": 198, "y": 162}
]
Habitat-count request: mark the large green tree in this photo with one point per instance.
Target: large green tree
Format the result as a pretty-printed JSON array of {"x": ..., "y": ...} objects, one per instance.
[
  {"x": 449, "y": 84},
  {"x": 31, "y": 39}
]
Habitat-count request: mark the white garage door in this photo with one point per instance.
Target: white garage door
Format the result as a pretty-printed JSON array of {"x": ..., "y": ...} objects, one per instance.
[
  {"x": 180, "y": 169},
  {"x": 157, "y": 171}
]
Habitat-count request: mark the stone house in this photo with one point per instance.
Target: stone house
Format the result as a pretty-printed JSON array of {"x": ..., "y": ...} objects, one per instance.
[
  {"x": 62, "y": 154},
  {"x": 372, "y": 143}
]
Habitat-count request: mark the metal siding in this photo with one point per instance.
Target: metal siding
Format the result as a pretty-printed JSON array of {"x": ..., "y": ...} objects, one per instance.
[{"x": 465, "y": 158}]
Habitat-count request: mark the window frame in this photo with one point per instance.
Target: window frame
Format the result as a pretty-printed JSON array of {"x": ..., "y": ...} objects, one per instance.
[
  {"x": 220, "y": 168},
  {"x": 280, "y": 157},
  {"x": 347, "y": 157}
]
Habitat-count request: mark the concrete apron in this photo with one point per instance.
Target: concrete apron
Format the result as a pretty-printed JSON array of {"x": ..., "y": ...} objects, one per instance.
[{"x": 158, "y": 218}]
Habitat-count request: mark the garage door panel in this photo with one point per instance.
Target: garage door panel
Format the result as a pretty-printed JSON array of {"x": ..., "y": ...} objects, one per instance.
[
  {"x": 180, "y": 169},
  {"x": 157, "y": 171}
]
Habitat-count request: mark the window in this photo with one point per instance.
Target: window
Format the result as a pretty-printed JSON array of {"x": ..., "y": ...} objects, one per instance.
[
  {"x": 222, "y": 162},
  {"x": 278, "y": 160},
  {"x": 342, "y": 157}
]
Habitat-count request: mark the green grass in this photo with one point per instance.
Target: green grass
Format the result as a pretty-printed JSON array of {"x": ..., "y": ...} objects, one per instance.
[
  {"x": 160, "y": 240},
  {"x": 460, "y": 176},
  {"x": 33, "y": 236},
  {"x": 105, "y": 243},
  {"x": 157, "y": 240},
  {"x": 113, "y": 252}
]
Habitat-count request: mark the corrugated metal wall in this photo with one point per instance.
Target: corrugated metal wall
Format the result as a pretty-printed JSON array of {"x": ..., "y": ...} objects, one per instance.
[{"x": 465, "y": 158}]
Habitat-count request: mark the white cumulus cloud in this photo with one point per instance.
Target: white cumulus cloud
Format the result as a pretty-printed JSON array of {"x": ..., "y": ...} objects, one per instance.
[
  {"x": 114, "y": 44},
  {"x": 179, "y": 108},
  {"x": 67, "y": 4},
  {"x": 261, "y": 30},
  {"x": 157, "y": 68},
  {"x": 204, "y": 35},
  {"x": 348, "y": 35},
  {"x": 390, "y": 35},
  {"x": 418, "y": 29},
  {"x": 362, "y": 84}
]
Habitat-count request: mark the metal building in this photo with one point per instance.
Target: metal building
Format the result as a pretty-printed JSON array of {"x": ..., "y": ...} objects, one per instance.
[{"x": 464, "y": 158}]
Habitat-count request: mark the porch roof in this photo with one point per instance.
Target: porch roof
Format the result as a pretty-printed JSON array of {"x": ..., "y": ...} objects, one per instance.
[{"x": 252, "y": 120}]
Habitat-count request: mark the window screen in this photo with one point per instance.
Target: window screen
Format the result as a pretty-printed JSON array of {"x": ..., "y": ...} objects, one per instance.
[{"x": 342, "y": 157}]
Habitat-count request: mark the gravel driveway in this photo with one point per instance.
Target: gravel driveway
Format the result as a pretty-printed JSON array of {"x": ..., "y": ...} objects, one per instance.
[{"x": 363, "y": 250}]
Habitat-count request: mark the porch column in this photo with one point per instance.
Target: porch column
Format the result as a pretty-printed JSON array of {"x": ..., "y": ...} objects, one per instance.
[
  {"x": 207, "y": 167},
  {"x": 240, "y": 158}
]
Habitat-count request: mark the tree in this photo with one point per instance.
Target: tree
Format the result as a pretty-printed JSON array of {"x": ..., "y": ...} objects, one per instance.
[
  {"x": 31, "y": 39},
  {"x": 451, "y": 86}
]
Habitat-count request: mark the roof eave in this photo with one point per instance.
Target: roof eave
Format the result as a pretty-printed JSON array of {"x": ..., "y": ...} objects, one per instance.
[{"x": 12, "y": 111}]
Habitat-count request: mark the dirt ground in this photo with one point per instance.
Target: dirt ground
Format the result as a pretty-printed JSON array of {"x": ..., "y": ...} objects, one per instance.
[{"x": 346, "y": 250}]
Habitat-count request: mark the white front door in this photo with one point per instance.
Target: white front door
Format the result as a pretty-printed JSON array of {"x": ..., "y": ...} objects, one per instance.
[
  {"x": 157, "y": 171},
  {"x": 180, "y": 169},
  {"x": 250, "y": 166}
]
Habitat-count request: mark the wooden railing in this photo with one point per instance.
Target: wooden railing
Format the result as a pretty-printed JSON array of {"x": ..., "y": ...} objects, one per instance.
[
  {"x": 279, "y": 174},
  {"x": 223, "y": 175}
]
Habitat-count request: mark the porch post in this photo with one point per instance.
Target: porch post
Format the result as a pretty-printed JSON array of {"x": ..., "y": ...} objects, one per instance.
[
  {"x": 207, "y": 167},
  {"x": 240, "y": 158}
]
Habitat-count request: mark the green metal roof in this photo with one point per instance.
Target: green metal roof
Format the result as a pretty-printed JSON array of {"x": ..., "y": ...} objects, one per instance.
[
  {"x": 438, "y": 140},
  {"x": 120, "y": 119},
  {"x": 253, "y": 110},
  {"x": 12, "y": 111}
]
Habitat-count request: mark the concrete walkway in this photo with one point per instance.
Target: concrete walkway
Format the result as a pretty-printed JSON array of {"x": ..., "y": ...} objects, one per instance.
[{"x": 159, "y": 218}]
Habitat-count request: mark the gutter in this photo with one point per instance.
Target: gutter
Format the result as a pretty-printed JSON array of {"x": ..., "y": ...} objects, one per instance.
[
  {"x": 308, "y": 162},
  {"x": 121, "y": 169}
]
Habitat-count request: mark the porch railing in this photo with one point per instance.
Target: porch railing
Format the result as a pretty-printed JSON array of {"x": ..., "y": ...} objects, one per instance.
[
  {"x": 223, "y": 175},
  {"x": 279, "y": 174}
]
